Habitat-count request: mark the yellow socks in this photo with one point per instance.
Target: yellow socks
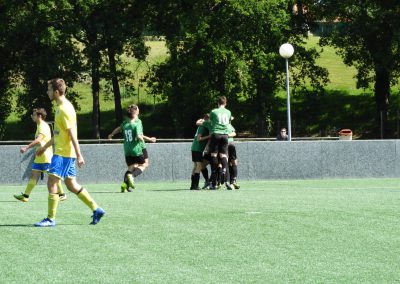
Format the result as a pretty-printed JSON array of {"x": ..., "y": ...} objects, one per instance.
[
  {"x": 60, "y": 189},
  {"x": 52, "y": 203},
  {"x": 87, "y": 199},
  {"x": 29, "y": 187}
]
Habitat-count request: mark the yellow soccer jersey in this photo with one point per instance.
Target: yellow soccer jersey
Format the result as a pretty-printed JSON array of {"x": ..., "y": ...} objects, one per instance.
[
  {"x": 65, "y": 119},
  {"x": 43, "y": 129}
]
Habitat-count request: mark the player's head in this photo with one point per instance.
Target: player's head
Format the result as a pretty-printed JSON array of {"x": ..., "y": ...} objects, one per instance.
[
  {"x": 283, "y": 132},
  {"x": 222, "y": 101},
  {"x": 38, "y": 114},
  {"x": 132, "y": 111},
  {"x": 56, "y": 88}
]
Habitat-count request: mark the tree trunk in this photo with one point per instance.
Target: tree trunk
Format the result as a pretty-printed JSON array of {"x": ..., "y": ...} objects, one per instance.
[
  {"x": 96, "y": 99},
  {"x": 261, "y": 108},
  {"x": 382, "y": 93},
  {"x": 115, "y": 83},
  {"x": 95, "y": 59}
]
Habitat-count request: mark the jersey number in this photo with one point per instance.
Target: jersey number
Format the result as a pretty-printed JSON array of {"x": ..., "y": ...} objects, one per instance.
[
  {"x": 223, "y": 118},
  {"x": 128, "y": 135}
]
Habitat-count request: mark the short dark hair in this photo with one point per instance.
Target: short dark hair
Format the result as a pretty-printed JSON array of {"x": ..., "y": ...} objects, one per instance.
[
  {"x": 58, "y": 84},
  {"x": 40, "y": 111},
  {"x": 222, "y": 100}
]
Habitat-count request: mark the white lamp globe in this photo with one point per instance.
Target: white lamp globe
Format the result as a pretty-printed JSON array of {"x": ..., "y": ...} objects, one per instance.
[{"x": 286, "y": 50}]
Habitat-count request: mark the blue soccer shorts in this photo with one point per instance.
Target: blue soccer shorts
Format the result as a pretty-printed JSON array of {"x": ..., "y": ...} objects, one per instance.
[
  {"x": 62, "y": 167},
  {"x": 41, "y": 167}
]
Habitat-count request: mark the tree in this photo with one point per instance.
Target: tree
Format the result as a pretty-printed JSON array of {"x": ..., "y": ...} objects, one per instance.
[
  {"x": 107, "y": 29},
  {"x": 229, "y": 48},
  {"x": 40, "y": 50},
  {"x": 369, "y": 39}
]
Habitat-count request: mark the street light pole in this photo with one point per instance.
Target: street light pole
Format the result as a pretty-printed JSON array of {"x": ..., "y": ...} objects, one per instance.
[
  {"x": 286, "y": 51},
  {"x": 289, "y": 120}
]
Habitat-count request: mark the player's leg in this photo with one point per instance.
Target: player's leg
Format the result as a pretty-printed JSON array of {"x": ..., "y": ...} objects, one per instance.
[
  {"x": 128, "y": 178},
  {"x": 60, "y": 191},
  {"x": 204, "y": 170},
  {"x": 52, "y": 202},
  {"x": 232, "y": 161},
  {"x": 135, "y": 169},
  {"x": 85, "y": 197},
  {"x": 197, "y": 158},
  {"x": 33, "y": 179},
  {"x": 223, "y": 154},
  {"x": 146, "y": 159},
  {"x": 214, "y": 160}
]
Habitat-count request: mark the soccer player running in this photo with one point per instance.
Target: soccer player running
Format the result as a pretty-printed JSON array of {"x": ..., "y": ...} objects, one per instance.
[
  {"x": 67, "y": 151},
  {"x": 41, "y": 163},
  {"x": 220, "y": 119},
  {"x": 198, "y": 145},
  {"x": 132, "y": 131}
]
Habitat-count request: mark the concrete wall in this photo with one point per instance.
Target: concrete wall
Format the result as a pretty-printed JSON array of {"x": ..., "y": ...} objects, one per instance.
[{"x": 257, "y": 160}]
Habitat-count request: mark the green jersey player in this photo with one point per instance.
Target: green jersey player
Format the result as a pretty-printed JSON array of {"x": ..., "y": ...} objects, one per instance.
[
  {"x": 132, "y": 131},
  {"x": 220, "y": 119}
]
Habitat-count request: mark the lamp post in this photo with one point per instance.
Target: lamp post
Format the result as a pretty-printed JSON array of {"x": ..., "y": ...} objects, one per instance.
[{"x": 286, "y": 51}]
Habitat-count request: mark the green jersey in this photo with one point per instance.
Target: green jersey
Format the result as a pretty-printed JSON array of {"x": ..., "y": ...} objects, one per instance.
[
  {"x": 197, "y": 145},
  {"x": 220, "y": 119},
  {"x": 230, "y": 129},
  {"x": 130, "y": 131}
]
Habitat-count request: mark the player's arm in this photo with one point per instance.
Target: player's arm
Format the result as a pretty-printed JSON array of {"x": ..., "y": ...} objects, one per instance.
[
  {"x": 41, "y": 150},
  {"x": 202, "y": 138},
  {"x": 232, "y": 134},
  {"x": 115, "y": 131},
  {"x": 200, "y": 121},
  {"x": 38, "y": 139},
  {"x": 75, "y": 143},
  {"x": 149, "y": 139}
]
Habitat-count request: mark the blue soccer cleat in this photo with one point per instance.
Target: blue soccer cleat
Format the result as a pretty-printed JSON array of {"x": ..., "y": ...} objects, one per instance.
[
  {"x": 46, "y": 222},
  {"x": 97, "y": 215}
]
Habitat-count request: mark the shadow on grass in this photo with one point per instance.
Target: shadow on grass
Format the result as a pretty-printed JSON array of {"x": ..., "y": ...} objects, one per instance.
[{"x": 181, "y": 189}]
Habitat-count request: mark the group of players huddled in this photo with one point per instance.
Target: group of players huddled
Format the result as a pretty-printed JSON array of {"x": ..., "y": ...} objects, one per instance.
[{"x": 211, "y": 145}]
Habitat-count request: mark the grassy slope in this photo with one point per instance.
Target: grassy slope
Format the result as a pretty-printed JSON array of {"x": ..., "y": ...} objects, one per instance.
[
  {"x": 342, "y": 84},
  {"x": 317, "y": 231}
]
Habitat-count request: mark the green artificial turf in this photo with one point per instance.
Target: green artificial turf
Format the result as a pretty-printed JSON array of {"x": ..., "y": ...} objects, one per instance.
[{"x": 314, "y": 231}]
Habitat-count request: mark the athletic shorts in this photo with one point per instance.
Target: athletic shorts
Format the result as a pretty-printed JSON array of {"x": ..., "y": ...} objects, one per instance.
[
  {"x": 42, "y": 167},
  {"x": 197, "y": 156},
  {"x": 207, "y": 157},
  {"x": 219, "y": 144},
  {"x": 62, "y": 167},
  {"x": 231, "y": 152},
  {"x": 131, "y": 160},
  {"x": 145, "y": 154}
]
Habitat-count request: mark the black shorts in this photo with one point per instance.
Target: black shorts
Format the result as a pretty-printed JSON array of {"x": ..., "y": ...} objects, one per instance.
[
  {"x": 145, "y": 154},
  {"x": 197, "y": 156},
  {"x": 219, "y": 144},
  {"x": 207, "y": 157},
  {"x": 231, "y": 152},
  {"x": 130, "y": 160}
]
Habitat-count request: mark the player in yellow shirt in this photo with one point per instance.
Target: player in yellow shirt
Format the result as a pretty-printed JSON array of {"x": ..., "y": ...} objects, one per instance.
[
  {"x": 67, "y": 151},
  {"x": 41, "y": 163}
]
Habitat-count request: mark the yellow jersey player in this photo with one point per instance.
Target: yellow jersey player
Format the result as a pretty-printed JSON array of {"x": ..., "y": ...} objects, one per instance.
[
  {"x": 67, "y": 152},
  {"x": 41, "y": 163}
]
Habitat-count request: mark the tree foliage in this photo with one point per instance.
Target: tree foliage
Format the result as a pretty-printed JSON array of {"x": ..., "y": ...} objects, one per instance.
[
  {"x": 229, "y": 48},
  {"x": 369, "y": 39}
]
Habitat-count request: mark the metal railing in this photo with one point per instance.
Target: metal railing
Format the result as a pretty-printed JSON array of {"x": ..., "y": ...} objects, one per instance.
[{"x": 172, "y": 140}]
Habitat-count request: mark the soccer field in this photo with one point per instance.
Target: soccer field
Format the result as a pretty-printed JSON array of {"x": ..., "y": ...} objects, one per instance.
[{"x": 313, "y": 231}]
